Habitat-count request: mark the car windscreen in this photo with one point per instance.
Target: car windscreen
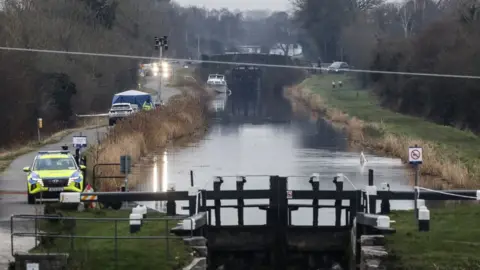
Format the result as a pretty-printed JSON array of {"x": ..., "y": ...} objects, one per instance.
[
  {"x": 336, "y": 65},
  {"x": 120, "y": 107},
  {"x": 42, "y": 164}
]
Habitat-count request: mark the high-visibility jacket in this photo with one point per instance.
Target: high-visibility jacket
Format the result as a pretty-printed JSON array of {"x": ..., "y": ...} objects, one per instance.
[{"x": 146, "y": 106}]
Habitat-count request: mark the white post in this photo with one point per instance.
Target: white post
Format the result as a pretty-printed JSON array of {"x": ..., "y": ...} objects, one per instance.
[{"x": 423, "y": 219}]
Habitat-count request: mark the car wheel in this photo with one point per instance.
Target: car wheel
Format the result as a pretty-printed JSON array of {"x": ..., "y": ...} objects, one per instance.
[
  {"x": 116, "y": 205},
  {"x": 31, "y": 199}
]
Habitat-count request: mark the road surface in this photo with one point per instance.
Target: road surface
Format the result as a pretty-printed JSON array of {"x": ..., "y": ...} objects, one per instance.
[
  {"x": 13, "y": 197},
  {"x": 166, "y": 92}
]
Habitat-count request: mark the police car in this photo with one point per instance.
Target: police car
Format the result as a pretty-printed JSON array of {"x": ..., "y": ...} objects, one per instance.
[{"x": 53, "y": 172}]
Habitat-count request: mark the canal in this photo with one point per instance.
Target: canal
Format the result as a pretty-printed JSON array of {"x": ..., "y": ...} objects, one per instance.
[{"x": 258, "y": 139}]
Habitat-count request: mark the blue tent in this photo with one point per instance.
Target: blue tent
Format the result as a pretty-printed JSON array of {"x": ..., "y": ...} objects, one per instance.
[{"x": 132, "y": 97}]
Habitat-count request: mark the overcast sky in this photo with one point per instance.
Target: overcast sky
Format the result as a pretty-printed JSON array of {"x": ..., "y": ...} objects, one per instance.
[{"x": 238, "y": 4}]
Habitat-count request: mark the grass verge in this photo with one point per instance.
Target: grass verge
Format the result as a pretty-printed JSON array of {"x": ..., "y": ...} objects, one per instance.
[
  {"x": 100, "y": 253},
  {"x": 8, "y": 155},
  {"x": 451, "y": 244},
  {"x": 183, "y": 115},
  {"x": 449, "y": 154}
]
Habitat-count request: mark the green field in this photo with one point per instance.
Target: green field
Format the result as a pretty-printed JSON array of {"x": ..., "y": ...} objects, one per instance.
[
  {"x": 458, "y": 144},
  {"x": 98, "y": 254},
  {"x": 454, "y": 240}
]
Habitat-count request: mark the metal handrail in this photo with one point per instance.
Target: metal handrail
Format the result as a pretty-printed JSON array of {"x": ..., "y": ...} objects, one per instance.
[{"x": 72, "y": 236}]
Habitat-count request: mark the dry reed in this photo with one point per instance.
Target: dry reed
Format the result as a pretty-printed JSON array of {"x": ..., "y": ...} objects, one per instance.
[
  {"x": 377, "y": 137},
  {"x": 144, "y": 132}
]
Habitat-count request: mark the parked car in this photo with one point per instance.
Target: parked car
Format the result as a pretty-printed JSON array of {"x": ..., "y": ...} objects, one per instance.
[
  {"x": 338, "y": 67},
  {"x": 51, "y": 173},
  {"x": 119, "y": 111}
]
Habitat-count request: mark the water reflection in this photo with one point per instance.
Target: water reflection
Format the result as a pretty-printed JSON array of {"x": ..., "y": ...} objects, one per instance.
[
  {"x": 219, "y": 102},
  {"x": 165, "y": 183},
  {"x": 275, "y": 149},
  {"x": 296, "y": 148},
  {"x": 151, "y": 174},
  {"x": 319, "y": 134},
  {"x": 155, "y": 176}
]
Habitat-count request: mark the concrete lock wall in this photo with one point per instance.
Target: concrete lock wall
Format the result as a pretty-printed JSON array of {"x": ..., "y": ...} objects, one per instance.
[
  {"x": 200, "y": 253},
  {"x": 50, "y": 261},
  {"x": 373, "y": 252}
]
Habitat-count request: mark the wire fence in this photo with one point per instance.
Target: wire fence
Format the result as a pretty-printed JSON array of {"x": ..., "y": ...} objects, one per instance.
[{"x": 102, "y": 242}]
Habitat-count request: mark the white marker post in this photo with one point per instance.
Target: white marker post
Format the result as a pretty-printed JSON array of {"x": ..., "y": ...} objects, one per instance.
[{"x": 415, "y": 157}]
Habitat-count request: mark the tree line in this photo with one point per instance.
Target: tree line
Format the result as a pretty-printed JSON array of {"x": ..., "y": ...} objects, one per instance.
[
  {"x": 425, "y": 36},
  {"x": 55, "y": 87}
]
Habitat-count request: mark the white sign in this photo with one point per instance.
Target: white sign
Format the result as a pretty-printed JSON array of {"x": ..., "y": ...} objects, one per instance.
[
  {"x": 289, "y": 194},
  {"x": 80, "y": 141},
  {"x": 415, "y": 155},
  {"x": 33, "y": 266}
]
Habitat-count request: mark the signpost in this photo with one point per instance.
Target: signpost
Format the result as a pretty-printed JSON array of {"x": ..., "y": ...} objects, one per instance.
[
  {"x": 415, "y": 157},
  {"x": 125, "y": 168},
  {"x": 79, "y": 142}
]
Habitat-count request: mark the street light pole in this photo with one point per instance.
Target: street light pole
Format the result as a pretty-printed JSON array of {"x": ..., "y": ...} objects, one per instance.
[
  {"x": 159, "y": 91},
  {"x": 160, "y": 45}
]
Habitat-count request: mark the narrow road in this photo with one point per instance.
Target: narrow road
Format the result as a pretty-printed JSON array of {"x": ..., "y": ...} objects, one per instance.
[
  {"x": 166, "y": 92},
  {"x": 13, "y": 179},
  {"x": 13, "y": 196}
]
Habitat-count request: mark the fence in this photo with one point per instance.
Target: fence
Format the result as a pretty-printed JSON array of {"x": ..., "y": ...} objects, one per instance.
[
  {"x": 103, "y": 242},
  {"x": 97, "y": 175}
]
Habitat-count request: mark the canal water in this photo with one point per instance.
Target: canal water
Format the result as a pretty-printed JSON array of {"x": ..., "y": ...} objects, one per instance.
[{"x": 258, "y": 142}]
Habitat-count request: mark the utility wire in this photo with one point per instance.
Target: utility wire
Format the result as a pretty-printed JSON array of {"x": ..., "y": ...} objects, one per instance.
[{"x": 243, "y": 63}]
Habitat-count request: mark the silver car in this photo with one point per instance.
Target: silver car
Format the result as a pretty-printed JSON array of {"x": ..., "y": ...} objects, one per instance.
[
  {"x": 119, "y": 111},
  {"x": 338, "y": 67}
]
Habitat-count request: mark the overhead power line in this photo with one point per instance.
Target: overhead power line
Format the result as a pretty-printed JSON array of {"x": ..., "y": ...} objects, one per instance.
[{"x": 242, "y": 63}]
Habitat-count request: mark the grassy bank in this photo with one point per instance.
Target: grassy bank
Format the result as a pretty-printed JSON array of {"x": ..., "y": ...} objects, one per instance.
[
  {"x": 449, "y": 154},
  {"x": 100, "y": 253},
  {"x": 451, "y": 244},
  {"x": 7, "y": 155},
  {"x": 145, "y": 132}
]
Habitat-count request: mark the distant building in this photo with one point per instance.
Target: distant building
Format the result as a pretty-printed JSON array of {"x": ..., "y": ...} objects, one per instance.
[
  {"x": 294, "y": 50},
  {"x": 249, "y": 49}
]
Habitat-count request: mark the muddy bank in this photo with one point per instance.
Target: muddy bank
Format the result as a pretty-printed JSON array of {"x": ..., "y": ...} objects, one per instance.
[
  {"x": 183, "y": 116},
  {"x": 438, "y": 169}
]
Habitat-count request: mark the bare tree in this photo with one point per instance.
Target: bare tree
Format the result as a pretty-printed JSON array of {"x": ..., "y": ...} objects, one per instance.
[{"x": 285, "y": 34}]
